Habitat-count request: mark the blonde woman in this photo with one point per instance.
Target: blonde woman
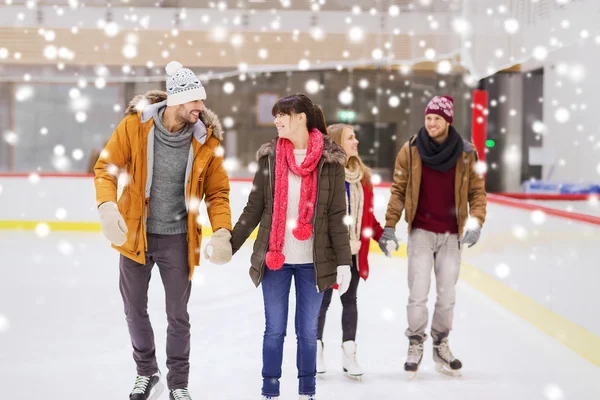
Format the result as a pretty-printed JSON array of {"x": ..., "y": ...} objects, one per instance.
[{"x": 363, "y": 227}]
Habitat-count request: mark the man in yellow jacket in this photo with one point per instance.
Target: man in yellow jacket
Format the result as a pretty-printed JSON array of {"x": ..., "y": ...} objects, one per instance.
[
  {"x": 169, "y": 147},
  {"x": 438, "y": 185}
]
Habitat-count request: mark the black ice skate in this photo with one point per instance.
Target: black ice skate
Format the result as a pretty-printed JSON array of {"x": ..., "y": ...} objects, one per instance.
[
  {"x": 179, "y": 394},
  {"x": 444, "y": 360},
  {"x": 147, "y": 388},
  {"x": 413, "y": 360}
]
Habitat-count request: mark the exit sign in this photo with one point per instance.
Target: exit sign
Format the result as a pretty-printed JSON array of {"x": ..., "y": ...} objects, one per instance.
[{"x": 346, "y": 115}]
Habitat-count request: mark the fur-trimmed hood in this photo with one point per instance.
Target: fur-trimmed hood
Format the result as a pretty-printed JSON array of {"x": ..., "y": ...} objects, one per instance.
[
  {"x": 146, "y": 105},
  {"x": 332, "y": 152}
]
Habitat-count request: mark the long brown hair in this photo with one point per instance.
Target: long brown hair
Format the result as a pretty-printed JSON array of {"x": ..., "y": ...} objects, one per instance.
[{"x": 336, "y": 133}]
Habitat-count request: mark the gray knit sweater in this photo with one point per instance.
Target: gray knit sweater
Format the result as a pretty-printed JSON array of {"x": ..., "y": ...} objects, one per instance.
[{"x": 168, "y": 214}]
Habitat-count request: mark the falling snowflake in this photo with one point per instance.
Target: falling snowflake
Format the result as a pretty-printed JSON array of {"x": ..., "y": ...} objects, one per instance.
[
  {"x": 65, "y": 248},
  {"x": 519, "y": 232},
  {"x": 231, "y": 164},
  {"x": 11, "y": 138},
  {"x": 252, "y": 167},
  {"x": 540, "y": 53},
  {"x": 480, "y": 168},
  {"x": 291, "y": 224},
  {"x": 388, "y": 314},
  {"x": 24, "y": 93},
  {"x": 61, "y": 213},
  {"x": 81, "y": 117},
  {"x": 312, "y": 86},
  {"x": 538, "y": 217},
  {"x": 511, "y": 26},
  {"x": 562, "y": 115},
  {"x": 376, "y": 179},
  {"x": 538, "y": 127},
  {"x": 202, "y": 219},
  {"x": 502, "y": 271},
  {"x": 303, "y": 65},
  {"x": 553, "y": 392},
  {"x": 356, "y": 34},
  {"x": 228, "y": 122},
  {"x": 228, "y": 87},
  {"x": 219, "y": 151},
  {"x": 348, "y": 220},
  {"x": 346, "y": 97},
  {"x": 444, "y": 67},
  {"x": 42, "y": 229}
]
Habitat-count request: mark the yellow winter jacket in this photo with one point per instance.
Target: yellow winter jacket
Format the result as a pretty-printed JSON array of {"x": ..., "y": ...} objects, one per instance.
[{"x": 130, "y": 149}]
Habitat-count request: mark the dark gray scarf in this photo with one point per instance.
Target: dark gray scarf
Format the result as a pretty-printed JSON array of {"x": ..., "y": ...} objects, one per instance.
[
  {"x": 440, "y": 157},
  {"x": 171, "y": 139}
]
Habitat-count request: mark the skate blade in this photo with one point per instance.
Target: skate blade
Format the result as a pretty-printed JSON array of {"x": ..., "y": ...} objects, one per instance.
[
  {"x": 411, "y": 375},
  {"x": 357, "y": 377},
  {"x": 156, "y": 391},
  {"x": 447, "y": 371}
]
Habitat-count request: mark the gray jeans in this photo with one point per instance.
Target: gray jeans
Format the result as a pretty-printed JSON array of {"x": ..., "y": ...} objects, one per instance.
[
  {"x": 442, "y": 252},
  {"x": 169, "y": 252}
]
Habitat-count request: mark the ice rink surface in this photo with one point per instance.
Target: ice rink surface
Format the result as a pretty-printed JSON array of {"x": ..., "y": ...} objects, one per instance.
[{"x": 63, "y": 334}]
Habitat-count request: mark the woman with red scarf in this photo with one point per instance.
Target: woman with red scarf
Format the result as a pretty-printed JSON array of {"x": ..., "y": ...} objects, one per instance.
[{"x": 298, "y": 198}]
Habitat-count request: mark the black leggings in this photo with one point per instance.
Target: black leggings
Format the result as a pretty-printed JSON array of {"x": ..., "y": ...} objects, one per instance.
[{"x": 349, "y": 309}]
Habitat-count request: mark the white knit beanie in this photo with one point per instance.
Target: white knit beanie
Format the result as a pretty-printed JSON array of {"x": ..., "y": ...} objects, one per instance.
[{"x": 183, "y": 85}]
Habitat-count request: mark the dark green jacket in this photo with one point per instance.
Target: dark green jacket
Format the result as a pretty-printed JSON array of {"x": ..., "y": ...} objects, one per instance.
[{"x": 331, "y": 246}]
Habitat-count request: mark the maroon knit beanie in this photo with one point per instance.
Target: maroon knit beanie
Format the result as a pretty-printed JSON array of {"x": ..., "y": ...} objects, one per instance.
[{"x": 442, "y": 106}]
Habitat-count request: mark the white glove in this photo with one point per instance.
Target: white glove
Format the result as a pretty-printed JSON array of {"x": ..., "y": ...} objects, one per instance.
[
  {"x": 113, "y": 224},
  {"x": 344, "y": 275},
  {"x": 219, "y": 247}
]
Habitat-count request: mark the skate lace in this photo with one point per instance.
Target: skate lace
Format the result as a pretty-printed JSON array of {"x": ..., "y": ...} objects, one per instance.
[
  {"x": 141, "y": 383},
  {"x": 415, "y": 350},
  {"x": 444, "y": 352},
  {"x": 181, "y": 394}
]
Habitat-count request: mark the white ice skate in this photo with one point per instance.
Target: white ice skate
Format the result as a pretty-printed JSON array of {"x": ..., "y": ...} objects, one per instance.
[
  {"x": 349, "y": 363},
  {"x": 270, "y": 398},
  {"x": 321, "y": 368},
  {"x": 307, "y": 397},
  {"x": 413, "y": 360},
  {"x": 444, "y": 360}
]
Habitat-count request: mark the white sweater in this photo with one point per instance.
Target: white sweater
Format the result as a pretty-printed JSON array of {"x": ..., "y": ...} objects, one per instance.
[{"x": 296, "y": 251}]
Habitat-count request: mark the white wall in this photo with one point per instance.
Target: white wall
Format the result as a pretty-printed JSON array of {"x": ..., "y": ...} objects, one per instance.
[
  {"x": 550, "y": 260},
  {"x": 571, "y": 80}
]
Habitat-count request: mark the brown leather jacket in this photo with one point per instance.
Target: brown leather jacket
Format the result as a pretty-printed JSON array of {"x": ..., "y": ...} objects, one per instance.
[{"x": 469, "y": 190}]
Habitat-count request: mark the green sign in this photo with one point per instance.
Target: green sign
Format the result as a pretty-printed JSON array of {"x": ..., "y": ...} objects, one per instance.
[
  {"x": 346, "y": 115},
  {"x": 490, "y": 143}
]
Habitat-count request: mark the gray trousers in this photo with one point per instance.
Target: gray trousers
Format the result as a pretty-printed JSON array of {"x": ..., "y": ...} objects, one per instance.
[
  {"x": 169, "y": 252},
  {"x": 427, "y": 250}
]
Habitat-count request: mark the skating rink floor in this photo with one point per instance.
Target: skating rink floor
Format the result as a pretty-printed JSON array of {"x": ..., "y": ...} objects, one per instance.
[{"x": 63, "y": 334}]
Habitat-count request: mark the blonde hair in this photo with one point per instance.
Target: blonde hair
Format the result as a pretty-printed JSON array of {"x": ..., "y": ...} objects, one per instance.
[{"x": 336, "y": 133}]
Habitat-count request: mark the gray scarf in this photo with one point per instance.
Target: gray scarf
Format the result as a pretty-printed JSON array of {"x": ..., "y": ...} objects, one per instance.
[{"x": 171, "y": 139}]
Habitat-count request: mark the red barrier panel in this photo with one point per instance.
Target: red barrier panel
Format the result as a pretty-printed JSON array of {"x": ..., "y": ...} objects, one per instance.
[
  {"x": 504, "y": 201},
  {"x": 479, "y": 122},
  {"x": 554, "y": 197}
]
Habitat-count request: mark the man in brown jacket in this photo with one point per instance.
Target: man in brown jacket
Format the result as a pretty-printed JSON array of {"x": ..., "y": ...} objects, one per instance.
[
  {"x": 437, "y": 184},
  {"x": 167, "y": 146}
]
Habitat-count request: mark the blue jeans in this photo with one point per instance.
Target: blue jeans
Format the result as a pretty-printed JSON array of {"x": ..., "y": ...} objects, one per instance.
[{"x": 276, "y": 291}]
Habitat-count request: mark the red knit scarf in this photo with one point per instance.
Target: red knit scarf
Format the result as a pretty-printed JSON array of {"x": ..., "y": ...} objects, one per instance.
[{"x": 285, "y": 161}]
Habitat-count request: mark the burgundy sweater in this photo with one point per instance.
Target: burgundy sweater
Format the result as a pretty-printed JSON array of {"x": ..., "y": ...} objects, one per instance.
[{"x": 436, "y": 211}]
